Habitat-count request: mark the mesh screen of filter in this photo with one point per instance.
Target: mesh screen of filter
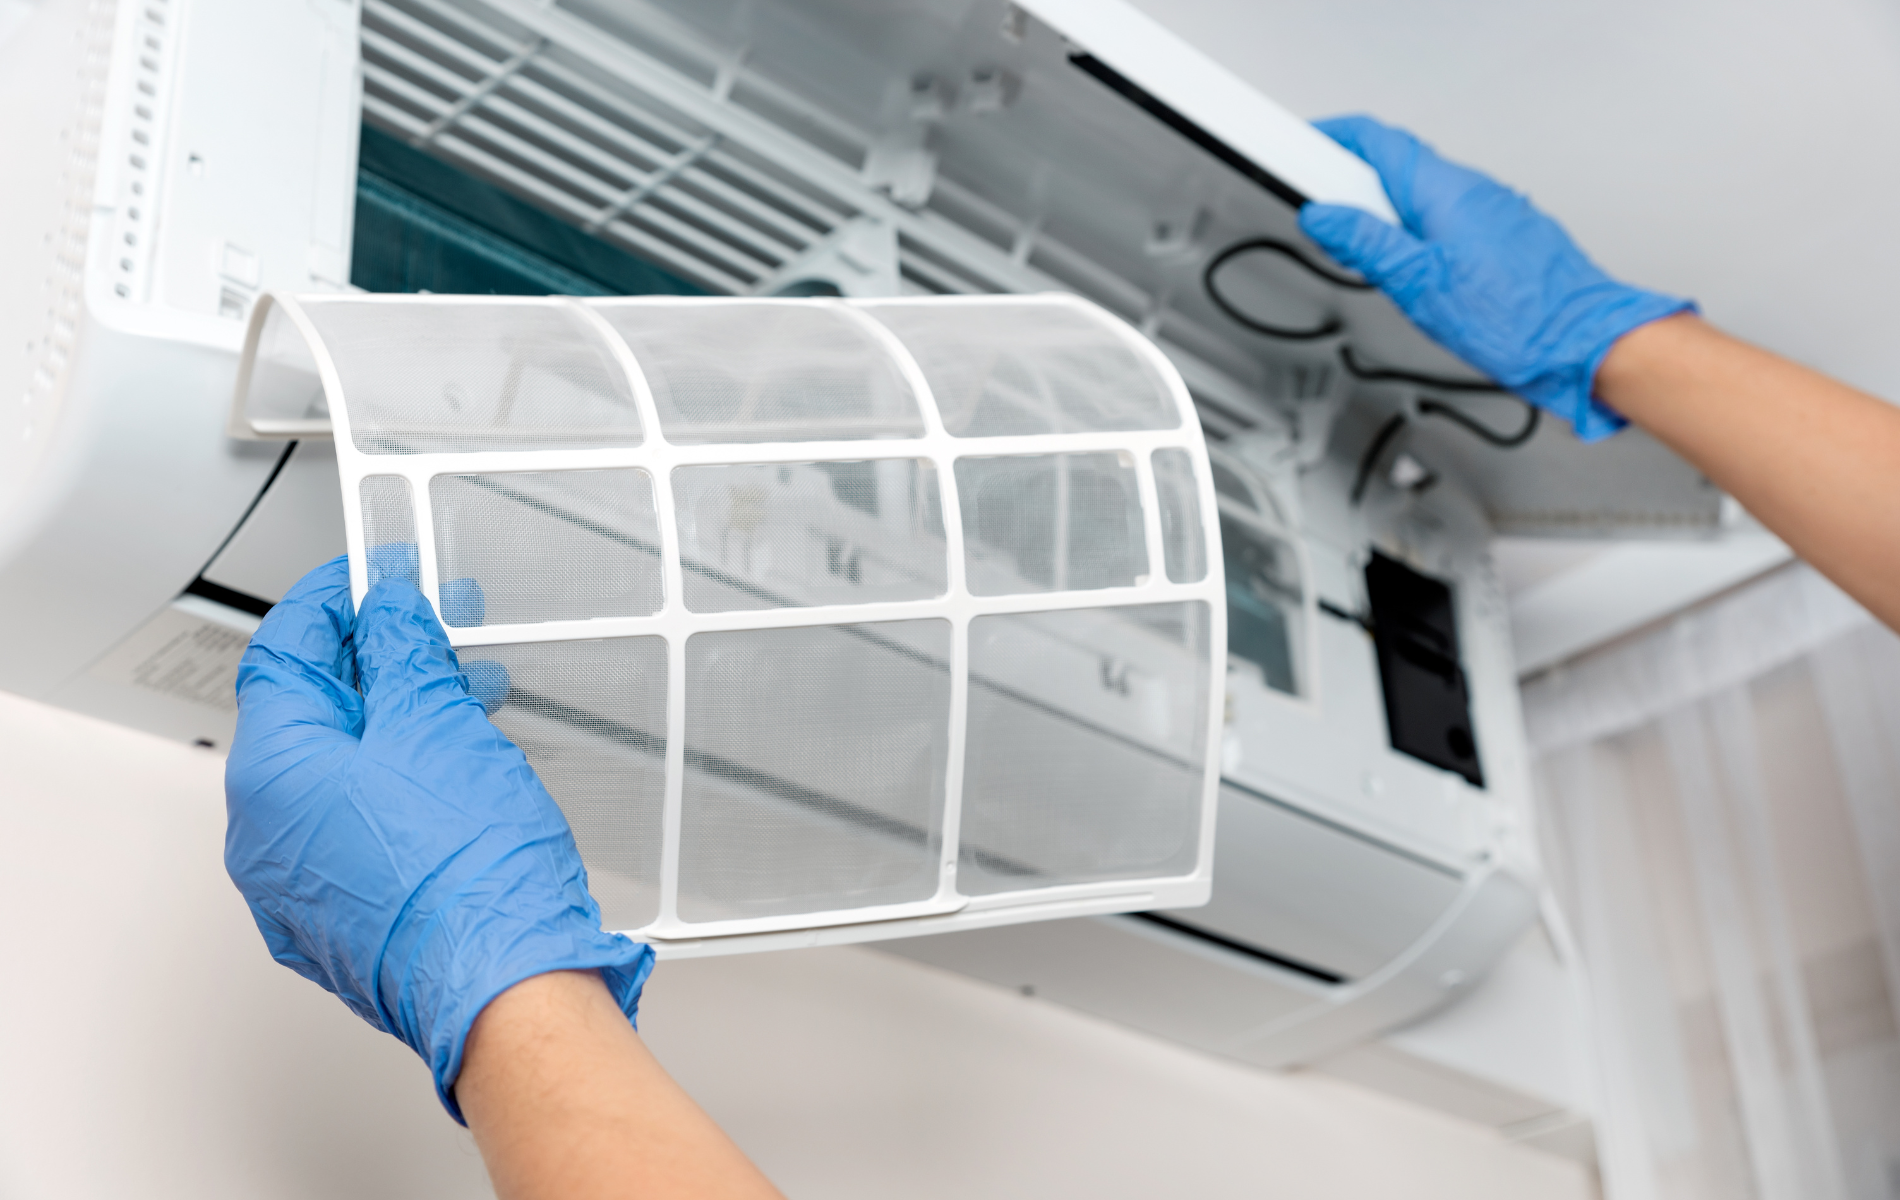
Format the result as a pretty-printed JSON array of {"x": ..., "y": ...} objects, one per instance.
[
  {"x": 454, "y": 377},
  {"x": 766, "y": 373},
  {"x": 591, "y": 717},
  {"x": 1084, "y": 753},
  {"x": 803, "y": 534},
  {"x": 1029, "y": 368},
  {"x": 815, "y": 760},
  {"x": 1051, "y": 523},
  {"x": 546, "y": 546},
  {"x": 1183, "y": 543},
  {"x": 389, "y": 529}
]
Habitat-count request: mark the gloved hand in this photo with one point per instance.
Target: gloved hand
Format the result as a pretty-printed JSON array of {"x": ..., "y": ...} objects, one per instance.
[
  {"x": 1486, "y": 275},
  {"x": 394, "y": 846}
]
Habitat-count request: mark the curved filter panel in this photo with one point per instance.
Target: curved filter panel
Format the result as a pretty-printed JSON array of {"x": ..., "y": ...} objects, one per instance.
[{"x": 822, "y": 620}]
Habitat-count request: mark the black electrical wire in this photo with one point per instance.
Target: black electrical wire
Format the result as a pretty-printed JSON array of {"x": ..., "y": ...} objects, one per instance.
[
  {"x": 1434, "y": 408},
  {"x": 1289, "y": 250},
  {"x": 1380, "y": 441},
  {"x": 1503, "y": 441},
  {"x": 1357, "y": 369},
  {"x": 1366, "y": 374},
  {"x": 1327, "y": 328}
]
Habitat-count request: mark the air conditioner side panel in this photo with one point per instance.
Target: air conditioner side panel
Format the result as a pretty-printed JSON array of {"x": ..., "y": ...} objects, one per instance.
[
  {"x": 216, "y": 153},
  {"x": 53, "y": 67},
  {"x": 139, "y": 490},
  {"x": 259, "y": 183},
  {"x": 296, "y": 526}
]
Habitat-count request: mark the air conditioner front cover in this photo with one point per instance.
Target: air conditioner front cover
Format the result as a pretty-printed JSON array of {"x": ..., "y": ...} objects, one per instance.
[{"x": 822, "y": 620}]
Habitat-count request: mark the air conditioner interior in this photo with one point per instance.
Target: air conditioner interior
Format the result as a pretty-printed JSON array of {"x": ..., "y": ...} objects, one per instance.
[
  {"x": 506, "y": 148},
  {"x": 908, "y": 147},
  {"x": 508, "y": 157},
  {"x": 632, "y": 149},
  {"x": 730, "y": 145},
  {"x": 568, "y": 177}
]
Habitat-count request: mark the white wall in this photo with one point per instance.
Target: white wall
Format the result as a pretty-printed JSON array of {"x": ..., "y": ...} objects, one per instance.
[{"x": 149, "y": 1048}]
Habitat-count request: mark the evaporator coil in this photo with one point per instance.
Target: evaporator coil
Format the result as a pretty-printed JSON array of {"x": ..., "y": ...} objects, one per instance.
[{"x": 822, "y": 620}]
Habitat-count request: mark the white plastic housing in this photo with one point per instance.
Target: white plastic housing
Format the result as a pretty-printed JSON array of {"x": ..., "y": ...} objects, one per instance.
[{"x": 814, "y": 615}]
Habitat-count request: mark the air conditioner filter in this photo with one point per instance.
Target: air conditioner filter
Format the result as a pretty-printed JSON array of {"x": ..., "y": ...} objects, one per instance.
[{"x": 822, "y": 620}]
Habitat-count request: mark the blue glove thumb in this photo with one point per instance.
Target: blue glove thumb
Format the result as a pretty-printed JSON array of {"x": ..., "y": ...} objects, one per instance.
[
  {"x": 398, "y": 849},
  {"x": 1361, "y": 241}
]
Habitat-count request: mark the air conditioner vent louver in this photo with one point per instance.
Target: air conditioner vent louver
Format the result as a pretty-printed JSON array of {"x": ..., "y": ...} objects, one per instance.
[
  {"x": 641, "y": 134},
  {"x": 515, "y": 107}
]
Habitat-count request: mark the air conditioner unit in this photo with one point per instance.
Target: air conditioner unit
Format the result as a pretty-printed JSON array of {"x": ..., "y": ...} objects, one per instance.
[{"x": 186, "y": 157}]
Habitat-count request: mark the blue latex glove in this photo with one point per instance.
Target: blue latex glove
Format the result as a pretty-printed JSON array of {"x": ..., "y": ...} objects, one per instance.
[
  {"x": 394, "y": 846},
  {"x": 1485, "y": 274}
]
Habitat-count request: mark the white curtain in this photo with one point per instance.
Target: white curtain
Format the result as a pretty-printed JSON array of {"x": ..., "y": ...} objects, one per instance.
[{"x": 1720, "y": 808}]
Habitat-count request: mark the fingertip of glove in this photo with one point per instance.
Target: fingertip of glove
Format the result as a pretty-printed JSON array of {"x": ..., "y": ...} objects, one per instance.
[
  {"x": 463, "y": 602},
  {"x": 1366, "y": 136},
  {"x": 488, "y": 682},
  {"x": 1343, "y": 126},
  {"x": 332, "y": 574},
  {"x": 393, "y": 560},
  {"x": 325, "y": 588}
]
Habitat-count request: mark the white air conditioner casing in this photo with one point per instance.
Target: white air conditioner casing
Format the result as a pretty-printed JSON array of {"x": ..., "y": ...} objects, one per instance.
[
  {"x": 183, "y": 157},
  {"x": 179, "y": 157}
]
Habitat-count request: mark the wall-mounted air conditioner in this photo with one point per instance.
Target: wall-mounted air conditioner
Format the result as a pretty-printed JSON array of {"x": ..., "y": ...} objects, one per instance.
[{"x": 183, "y": 158}]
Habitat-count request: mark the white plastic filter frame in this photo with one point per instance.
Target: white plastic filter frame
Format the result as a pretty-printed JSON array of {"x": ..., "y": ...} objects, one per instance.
[{"x": 948, "y": 909}]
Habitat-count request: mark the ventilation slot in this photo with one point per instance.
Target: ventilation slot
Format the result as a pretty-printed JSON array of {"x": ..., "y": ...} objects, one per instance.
[{"x": 645, "y": 136}]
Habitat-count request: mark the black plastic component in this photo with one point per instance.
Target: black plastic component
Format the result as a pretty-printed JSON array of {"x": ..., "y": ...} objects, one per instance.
[
  {"x": 801, "y": 289},
  {"x": 217, "y": 593},
  {"x": 1427, "y": 701},
  {"x": 1317, "y": 974}
]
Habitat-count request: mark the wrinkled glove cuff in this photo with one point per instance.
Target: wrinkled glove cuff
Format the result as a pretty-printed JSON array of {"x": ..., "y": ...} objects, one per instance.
[
  {"x": 1570, "y": 391},
  {"x": 624, "y": 965},
  {"x": 463, "y": 940}
]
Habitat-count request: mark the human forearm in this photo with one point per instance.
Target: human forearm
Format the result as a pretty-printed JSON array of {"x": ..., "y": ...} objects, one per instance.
[
  {"x": 1814, "y": 460},
  {"x": 566, "y": 1102}
]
